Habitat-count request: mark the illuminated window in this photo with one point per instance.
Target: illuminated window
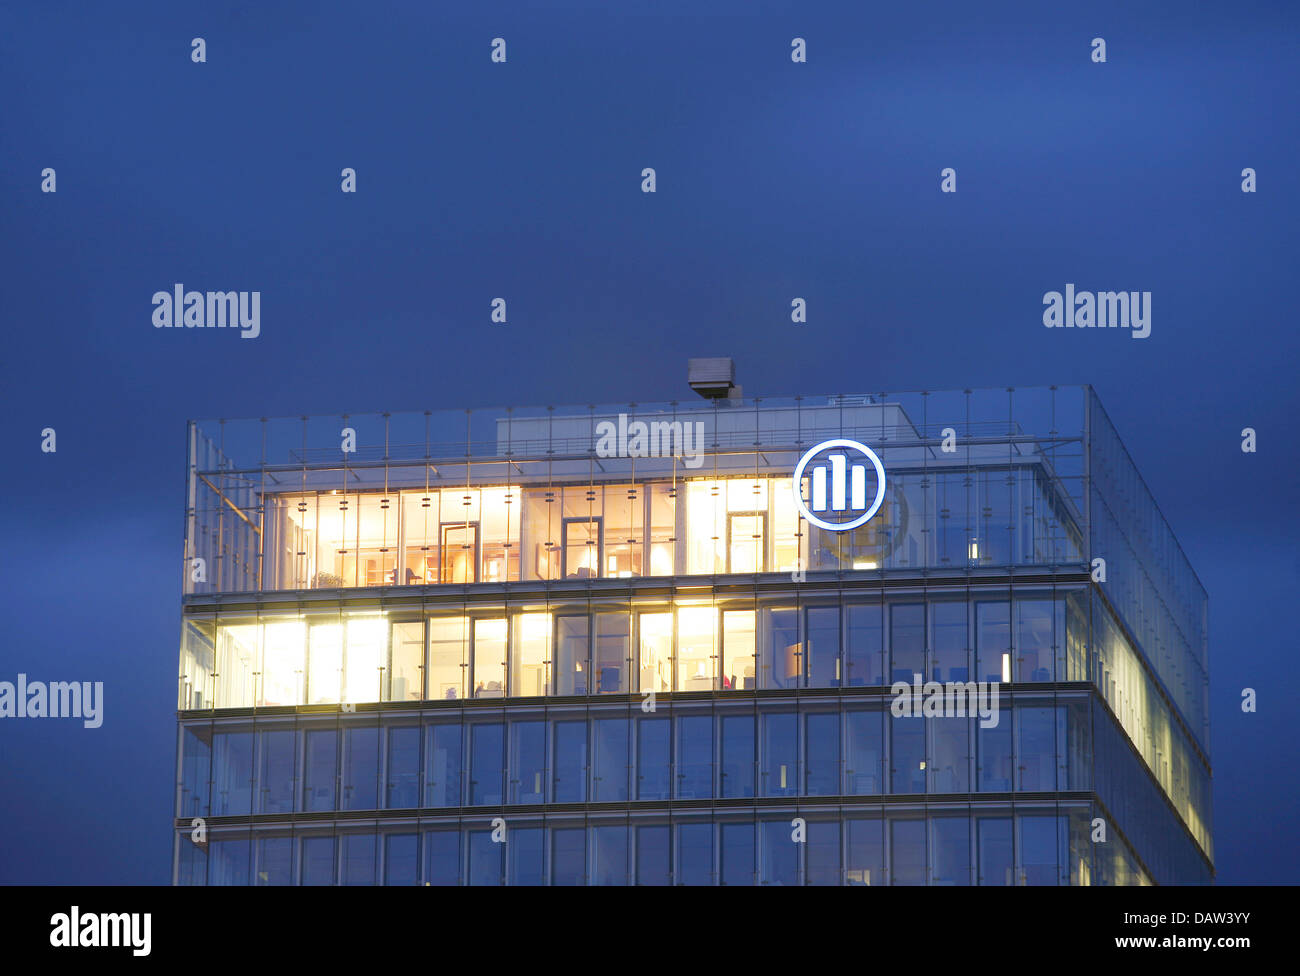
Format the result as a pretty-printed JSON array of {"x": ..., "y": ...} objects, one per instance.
[
  {"x": 421, "y": 520},
  {"x": 697, "y": 629},
  {"x": 706, "y": 527},
  {"x": 786, "y": 526},
  {"x": 490, "y": 658},
  {"x": 500, "y": 527},
  {"x": 572, "y": 647},
  {"x": 663, "y": 521},
  {"x": 447, "y": 639},
  {"x": 405, "y": 678},
  {"x": 325, "y": 664},
  {"x": 738, "y": 659},
  {"x": 284, "y": 644},
  {"x": 367, "y": 650},
  {"x": 613, "y": 653},
  {"x": 656, "y": 645},
  {"x": 531, "y": 654}
]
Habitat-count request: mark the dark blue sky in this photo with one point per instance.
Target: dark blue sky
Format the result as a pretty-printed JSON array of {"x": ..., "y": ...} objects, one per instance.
[{"x": 522, "y": 180}]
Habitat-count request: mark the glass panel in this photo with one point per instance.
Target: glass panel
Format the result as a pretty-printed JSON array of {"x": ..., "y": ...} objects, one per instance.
[
  {"x": 948, "y": 766},
  {"x": 420, "y": 512},
  {"x": 401, "y": 859},
  {"x": 737, "y": 854},
  {"x": 582, "y": 553},
  {"x": 738, "y": 766},
  {"x": 320, "y": 769},
  {"x": 823, "y": 853},
  {"x": 443, "y": 772},
  {"x": 994, "y": 756},
  {"x": 490, "y": 658},
  {"x": 779, "y": 768},
  {"x": 653, "y": 866},
  {"x": 748, "y": 543},
  {"x": 822, "y": 771},
  {"x": 950, "y": 659},
  {"x": 738, "y": 650},
  {"x": 1037, "y": 842},
  {"x": 325, "y": 664},
  {"x": 663, "y": 517},
  {"x": 403, "y": 786},
  {"x": 656, "y": 639},
  {"x": 786, "y": 525},
  {"x": 358, "y": 859},
  {"x": 541, "y": 535},
  {"x": 993, "y": 641},
  {"x": 695, "y": 854},
  {"x": 907, "y": 850},
  {"x": 1036, "y": 639},
  {"x": 610, "y": 768},
  {"x": 442, "y": 857},
  {"x": 823, "y": 633},
  {"x": 447, "y": 636},
  {"x": 906, "y": 641},
  {"x": 705, "y": 528},
  {"x": 284, "y": 645},
  {"x": 694, "y": 756},
  {"x": 377, "y": 540},
  {"x": 950, "y": 850},
  {"x": 864, "y": 645},
  {"x": 486, "y": 859},
  {"x": 1035, "y": 749},
  {"x": 486, "y": 750},
  {"x": 907, "y": 755},
  {"x": 232, "y": 774},
  {"x": 499, "y": 521},
  {"x": 459, "y": 560},
  {"x": 610, "y": 850},
  {"x": 864, "y": 765},
  {"x": 406, "y": 665},
  {"x": 696, "y": 655},
  {"x": 571, "y": 655},
  {"x": 613, "y": 653},
  {"x": 570, "y": 762},
  {"x": 624, "y": 515},
  {"x": 360, "y": 768},
  {"x": 569, "y": 856},
  {"x": 366, "y": 657},
  {"x": 865, "y": 857},
  {"x": 780, "y": 854},
  {"x": 276, "y": 780},
  {"x": 527, "y": 763},
  {"x": 274, "y": 861},
  {"x": 782, "y": 652},
  {"x": 526, "y": 855},
  {"x": 532, "y": 651},
  {"x": 317, "y": 858},
  {"x": 652, "y": 758},
  {"x": 994, "y": 837},
  {"x": 196, "y": 758}
]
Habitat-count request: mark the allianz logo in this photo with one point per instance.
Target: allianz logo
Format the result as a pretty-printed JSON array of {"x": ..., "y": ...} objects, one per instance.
[{"x": 837, "y": 485}]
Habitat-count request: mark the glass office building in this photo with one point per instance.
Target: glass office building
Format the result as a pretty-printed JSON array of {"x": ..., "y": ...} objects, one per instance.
[{"x": 606, "y": 644}]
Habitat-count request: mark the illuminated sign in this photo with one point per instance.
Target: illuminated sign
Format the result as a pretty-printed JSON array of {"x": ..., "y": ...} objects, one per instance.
[{"x": 838, "y": 486}]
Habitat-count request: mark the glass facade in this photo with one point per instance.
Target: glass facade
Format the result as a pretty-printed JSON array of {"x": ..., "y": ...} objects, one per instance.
[{"x": 505, "y": 657}]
